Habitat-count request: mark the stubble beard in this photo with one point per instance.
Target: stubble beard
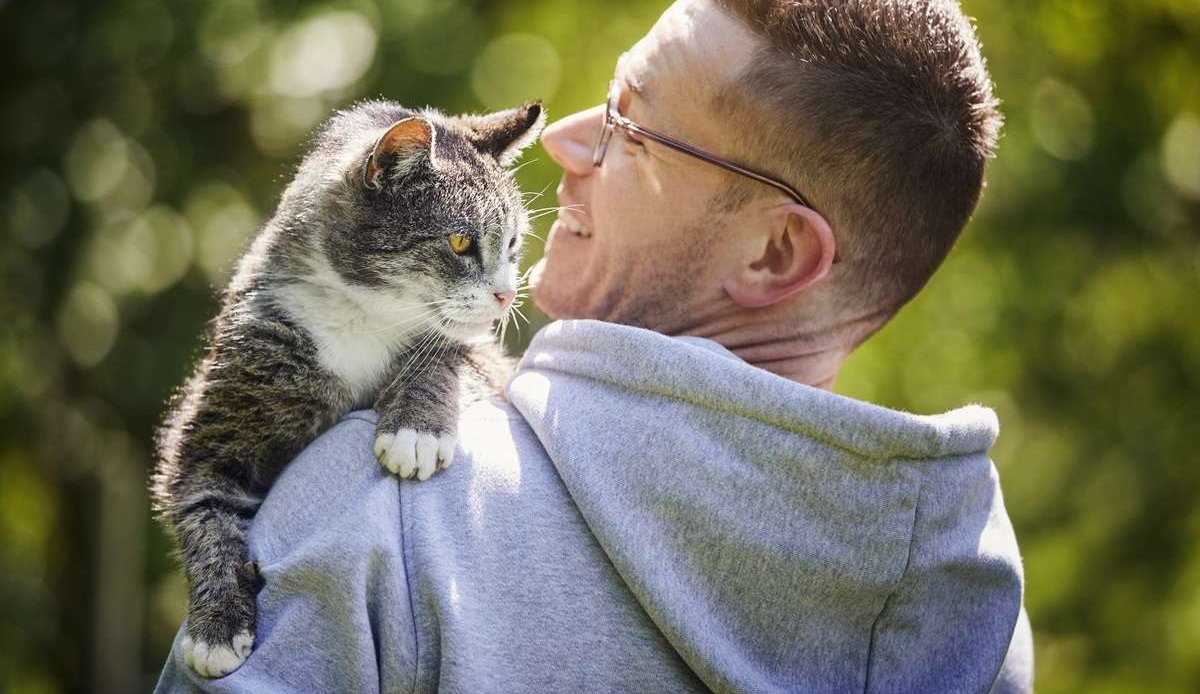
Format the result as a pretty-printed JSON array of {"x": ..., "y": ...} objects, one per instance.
[{"x": 664, "y": 299}]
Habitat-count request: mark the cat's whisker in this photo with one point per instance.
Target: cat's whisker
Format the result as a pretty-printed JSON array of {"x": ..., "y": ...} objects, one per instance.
[
  {"x": 543, "y": 211},
  {"x": 404, "y": 320},
  {"x": 502, "y": 328},
  {"x": 572, "y": 206},
  {"x": 522, "y": 165},
  {"x": 410, "y": 367},
  {"x": 431, "y": 345},
  {"x": 534, "y": 196},
  {"x": 509, "y": 321},
  {"x": 539, "y": 215},
  {"x": 392, "y": 307},
  {"x": 407, "y": 307},
  {"x": 431, "y": 302},
  {"x": 412, "y": 321},
  {"x": 514, "y": 311},
  {"x": 432, "y": 348}
]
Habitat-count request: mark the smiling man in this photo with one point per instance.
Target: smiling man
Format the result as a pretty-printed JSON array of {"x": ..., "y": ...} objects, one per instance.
[{"x": 671, "y": 498}]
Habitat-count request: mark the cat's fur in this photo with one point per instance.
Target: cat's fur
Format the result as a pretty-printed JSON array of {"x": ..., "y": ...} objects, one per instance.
[{"x": 350, "y": 296}]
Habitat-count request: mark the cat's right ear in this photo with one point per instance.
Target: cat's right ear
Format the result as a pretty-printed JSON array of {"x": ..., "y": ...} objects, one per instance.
[{"x": 407, "y": 145}]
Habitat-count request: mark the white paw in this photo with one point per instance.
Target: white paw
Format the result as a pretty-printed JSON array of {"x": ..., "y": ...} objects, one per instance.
[
  {"x": 217, "y": 660},
  {"x": 409, "y": 453}
]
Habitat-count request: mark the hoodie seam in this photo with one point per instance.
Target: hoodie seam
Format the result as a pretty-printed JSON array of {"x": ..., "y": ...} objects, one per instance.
[
  {"x": 887, "y": 602},
  {"x": 405, "y": 550},
  {"x": 739, "y": 412}
]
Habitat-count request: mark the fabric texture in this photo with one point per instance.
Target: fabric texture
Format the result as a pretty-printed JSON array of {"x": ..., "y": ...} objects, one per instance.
[{"x": 645, "y": 513}]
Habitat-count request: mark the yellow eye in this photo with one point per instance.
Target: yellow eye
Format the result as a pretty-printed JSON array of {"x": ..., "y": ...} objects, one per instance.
[{"x": 459, "y": 243}]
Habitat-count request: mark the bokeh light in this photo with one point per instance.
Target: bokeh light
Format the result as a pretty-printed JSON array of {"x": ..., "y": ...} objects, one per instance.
[
  {"x": 514, "y": 66},
  {"x": 144, "y": 144}
]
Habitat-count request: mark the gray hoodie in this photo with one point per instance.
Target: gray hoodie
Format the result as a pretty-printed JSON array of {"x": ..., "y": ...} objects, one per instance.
[{"x": 645, "y": 514}]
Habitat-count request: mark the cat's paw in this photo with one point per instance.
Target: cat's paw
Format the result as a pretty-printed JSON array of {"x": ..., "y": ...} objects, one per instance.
[
  {"x": 217, "y": 659},
  {"x": 410, "y": 453}
]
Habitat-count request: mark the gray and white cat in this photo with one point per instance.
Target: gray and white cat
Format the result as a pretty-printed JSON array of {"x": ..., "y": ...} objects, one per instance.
[{"x": 376, "y": 283}]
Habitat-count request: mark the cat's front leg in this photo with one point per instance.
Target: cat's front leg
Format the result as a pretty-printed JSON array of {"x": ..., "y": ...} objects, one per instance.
[
  {"x": 418, "y": 416},
  {"x": 220, "y": 619}
]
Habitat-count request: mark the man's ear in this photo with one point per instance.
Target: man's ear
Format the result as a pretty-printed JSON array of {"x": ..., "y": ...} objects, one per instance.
[
  {"x": 798, "y": 252},
  {"x": 406, "y": 145},
  {"x": 505, "y": 134}
]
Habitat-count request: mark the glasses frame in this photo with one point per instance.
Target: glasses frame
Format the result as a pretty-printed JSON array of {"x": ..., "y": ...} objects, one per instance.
[{"x": 614, "y": 120}]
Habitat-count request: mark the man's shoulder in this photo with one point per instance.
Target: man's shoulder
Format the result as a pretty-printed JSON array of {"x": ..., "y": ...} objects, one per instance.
[
  {"x": 337, "y": 480},
  {"x": 345, "y": 450},
  {"x": 331, "y": 480}
]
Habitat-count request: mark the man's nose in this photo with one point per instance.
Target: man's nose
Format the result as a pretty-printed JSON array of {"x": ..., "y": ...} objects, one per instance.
[{"x": 570, "y": 140}]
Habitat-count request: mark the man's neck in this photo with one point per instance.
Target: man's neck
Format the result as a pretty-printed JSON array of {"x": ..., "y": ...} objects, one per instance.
[
  {"x": 798, "y": 358},
  {"x": 774, "y": 343}
]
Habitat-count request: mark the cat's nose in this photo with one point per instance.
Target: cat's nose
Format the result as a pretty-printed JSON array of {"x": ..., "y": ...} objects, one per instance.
[{"x": 505, "y": 297}]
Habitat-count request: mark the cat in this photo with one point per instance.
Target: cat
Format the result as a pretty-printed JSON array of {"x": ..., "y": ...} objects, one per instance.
[{"x": 376, "y": 283}]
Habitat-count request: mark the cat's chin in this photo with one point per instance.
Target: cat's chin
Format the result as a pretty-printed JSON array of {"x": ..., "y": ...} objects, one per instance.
[{"x": 464, "y": 331}]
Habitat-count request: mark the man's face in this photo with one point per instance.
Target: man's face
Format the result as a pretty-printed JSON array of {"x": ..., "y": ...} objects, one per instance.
[{"x": 638, "y": 242}]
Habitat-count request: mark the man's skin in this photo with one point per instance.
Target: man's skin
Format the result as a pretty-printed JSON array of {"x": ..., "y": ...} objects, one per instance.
[{"x": 760, "y": 280}]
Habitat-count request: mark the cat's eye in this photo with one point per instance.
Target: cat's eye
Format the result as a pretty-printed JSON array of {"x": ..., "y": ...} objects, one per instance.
[{"x": 460, "y": 243}]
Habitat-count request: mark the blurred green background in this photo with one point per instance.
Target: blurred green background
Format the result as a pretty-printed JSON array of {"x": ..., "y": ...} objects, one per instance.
[{"x": 144, "y": 142}]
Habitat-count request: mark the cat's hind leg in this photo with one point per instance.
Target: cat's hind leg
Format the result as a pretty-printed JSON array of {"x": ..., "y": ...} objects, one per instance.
[{"x": 222, "y": 584}]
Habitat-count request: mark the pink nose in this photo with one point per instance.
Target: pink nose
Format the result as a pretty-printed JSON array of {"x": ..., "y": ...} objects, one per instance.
[{"x": 505, "y": 298}]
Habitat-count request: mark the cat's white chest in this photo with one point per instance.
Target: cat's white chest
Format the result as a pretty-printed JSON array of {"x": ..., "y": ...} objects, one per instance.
[
  {"x": 360, "y": 360},
  {"x": 358, "y": 339}
]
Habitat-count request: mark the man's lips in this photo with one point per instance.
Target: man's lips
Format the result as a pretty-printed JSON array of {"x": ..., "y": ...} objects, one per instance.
[
  {"x": 570, "y": 223},
  {"x": 570, "y": 213}
]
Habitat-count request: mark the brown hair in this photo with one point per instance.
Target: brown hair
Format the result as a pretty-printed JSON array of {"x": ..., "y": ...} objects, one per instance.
[{"x": 881, "y": 111}]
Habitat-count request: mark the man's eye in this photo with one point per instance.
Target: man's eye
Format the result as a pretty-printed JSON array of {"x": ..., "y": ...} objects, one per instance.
[{"x": 460, "y": 243}]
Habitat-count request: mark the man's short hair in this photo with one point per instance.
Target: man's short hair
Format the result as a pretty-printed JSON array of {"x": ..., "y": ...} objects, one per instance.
[{"x": 882, "y": 113}]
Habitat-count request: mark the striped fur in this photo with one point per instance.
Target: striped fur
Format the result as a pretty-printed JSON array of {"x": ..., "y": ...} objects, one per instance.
[{"x": 349, "y": 297}]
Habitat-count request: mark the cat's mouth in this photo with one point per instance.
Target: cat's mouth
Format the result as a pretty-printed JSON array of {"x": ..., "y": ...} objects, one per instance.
[{"x": 466, "y": 327}]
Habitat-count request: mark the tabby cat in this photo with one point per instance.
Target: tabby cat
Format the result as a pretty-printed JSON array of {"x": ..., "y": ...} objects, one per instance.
[{"x": 376, "y": 283}]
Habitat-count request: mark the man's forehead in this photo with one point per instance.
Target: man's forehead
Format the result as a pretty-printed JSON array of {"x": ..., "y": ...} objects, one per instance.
[{"x": 693, "y": 46}]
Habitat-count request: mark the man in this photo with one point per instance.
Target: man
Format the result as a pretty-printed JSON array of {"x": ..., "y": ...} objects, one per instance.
[{"x": 671, "y": 499}]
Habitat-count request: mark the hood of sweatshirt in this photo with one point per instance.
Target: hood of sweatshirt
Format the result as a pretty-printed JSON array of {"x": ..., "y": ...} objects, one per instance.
[{"x": 780, "y": 536}]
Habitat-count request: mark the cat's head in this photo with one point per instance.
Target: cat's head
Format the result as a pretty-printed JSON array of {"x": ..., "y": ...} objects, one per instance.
[{"x": 425, "y": 210}]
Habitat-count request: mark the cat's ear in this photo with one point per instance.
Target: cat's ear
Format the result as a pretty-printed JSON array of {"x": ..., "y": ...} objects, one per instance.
[
  {"x": 505, "y": 134},
  {"x": 406, "y": 145}
]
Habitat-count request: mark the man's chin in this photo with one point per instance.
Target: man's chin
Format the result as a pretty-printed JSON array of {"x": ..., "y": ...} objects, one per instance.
[
  {"x": 542, "y": 292},
  {"x": 563, "y": 295}
]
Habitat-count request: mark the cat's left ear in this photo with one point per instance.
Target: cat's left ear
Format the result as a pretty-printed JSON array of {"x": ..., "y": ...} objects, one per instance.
[
  {"x": 505, "y": 134},
  {"x": 406, "y": 145}
]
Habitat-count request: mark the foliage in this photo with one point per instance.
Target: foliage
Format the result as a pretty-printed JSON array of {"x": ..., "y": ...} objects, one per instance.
[{"x": 144, "y": 142}]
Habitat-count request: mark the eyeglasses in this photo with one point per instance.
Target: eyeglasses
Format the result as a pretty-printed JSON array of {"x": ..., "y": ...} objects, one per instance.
[{"x": 613, "y": 120}]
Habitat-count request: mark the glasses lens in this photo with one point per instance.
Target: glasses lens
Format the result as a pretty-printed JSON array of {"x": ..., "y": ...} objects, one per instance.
[{"x": 606, "y": 127}]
